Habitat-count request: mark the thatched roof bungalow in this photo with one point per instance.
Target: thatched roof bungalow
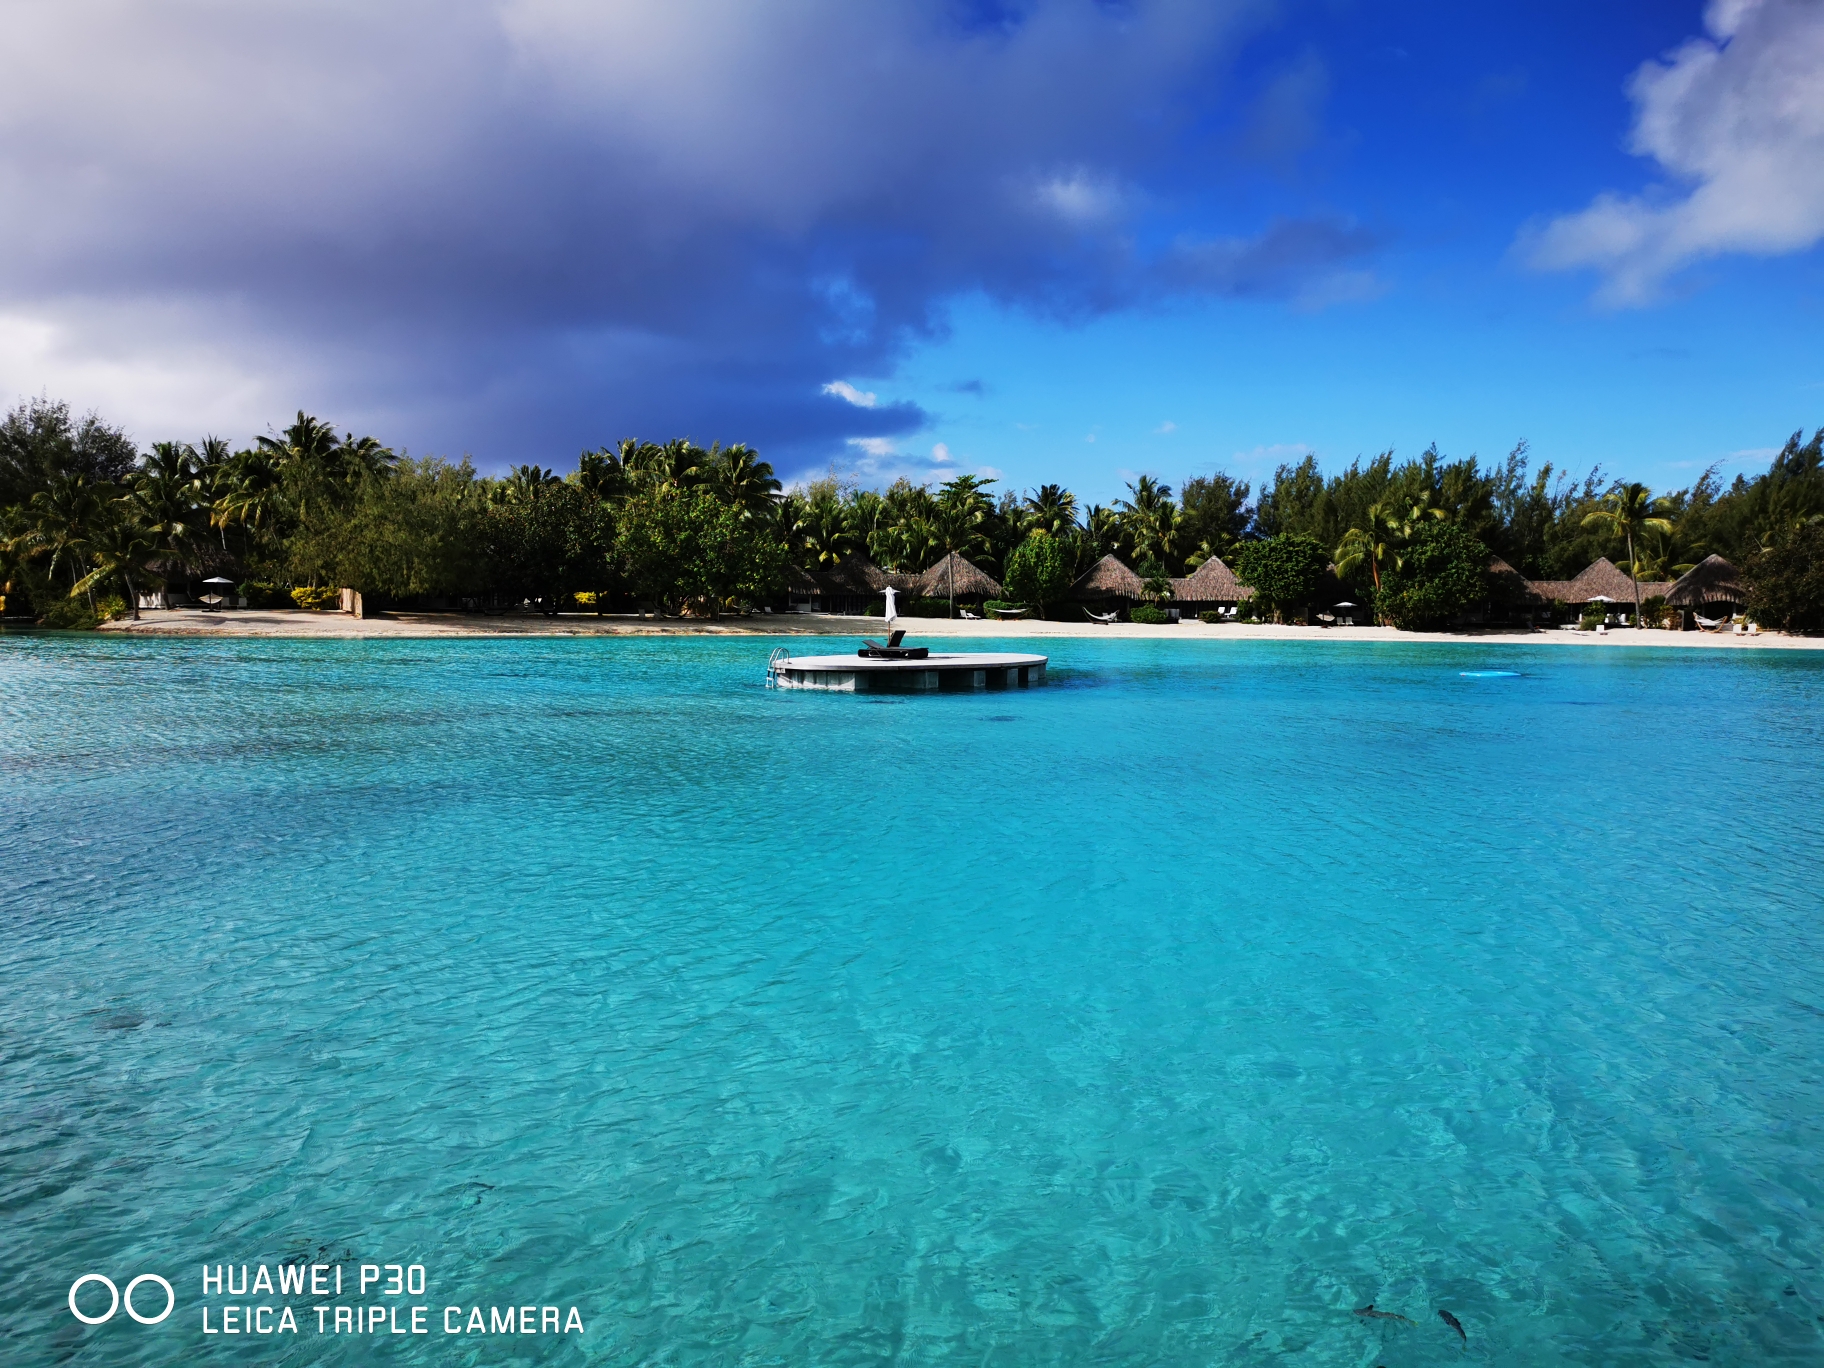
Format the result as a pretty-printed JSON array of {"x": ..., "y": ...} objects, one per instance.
[
  {"x": 1603, "y": 579},
  {"x": 953, "y": 576},
  {"x": 1712, "y": 580},
  {"x": 1108, "y": 578},
  {"x": 1210, "y": 585}
]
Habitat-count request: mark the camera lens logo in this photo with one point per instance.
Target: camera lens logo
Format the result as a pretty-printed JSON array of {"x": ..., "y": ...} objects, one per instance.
[{"x": 116, "y": 1299}]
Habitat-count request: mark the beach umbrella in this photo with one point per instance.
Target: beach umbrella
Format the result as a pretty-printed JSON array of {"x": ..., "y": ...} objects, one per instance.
[
  {"x": 1346, "y": 605},
  {"x": 892, "y": 607}
]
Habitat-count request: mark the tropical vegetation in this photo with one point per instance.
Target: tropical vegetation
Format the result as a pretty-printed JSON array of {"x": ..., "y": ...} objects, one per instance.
[{"x": 89, "y": 523}]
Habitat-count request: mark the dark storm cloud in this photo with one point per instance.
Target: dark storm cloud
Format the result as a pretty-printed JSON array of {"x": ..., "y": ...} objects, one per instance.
[{"x": 522, "y": 227}]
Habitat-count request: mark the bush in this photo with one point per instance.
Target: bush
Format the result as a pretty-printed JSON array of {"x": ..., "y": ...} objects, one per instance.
[
  {"x": 1785, "y": 581},
  {"x": 1211, "y": 615},
  {"x": 1150, "y": 614},
  {"x": 1284, "y": 570},
  {"x": 1445, "y": 572},
  {"x": 262, "y": 595},
  {"x": 109, "y": 607},
  {"x": 316, "y": 599},
  {"x": 1039, "y": 570},
  {"x": 69, "y": 615}
]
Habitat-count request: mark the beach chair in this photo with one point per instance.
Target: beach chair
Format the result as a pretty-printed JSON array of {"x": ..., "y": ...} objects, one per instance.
[
  {"x": 969, "y": 616},
  {"x": 1103, "y": 618},
  {"x": 891, "y": 650}
]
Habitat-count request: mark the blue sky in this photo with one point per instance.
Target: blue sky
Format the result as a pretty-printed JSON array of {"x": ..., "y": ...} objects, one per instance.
[{"x": 1052, "y": 240}]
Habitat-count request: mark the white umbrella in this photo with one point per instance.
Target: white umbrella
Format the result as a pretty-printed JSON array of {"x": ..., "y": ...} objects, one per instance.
[
  {"x": 1601, "y": 598},
  {"x": 892, "y": 607},
  {"x": 218, "y": 580},
  {"x": 1345, "y": 605}
]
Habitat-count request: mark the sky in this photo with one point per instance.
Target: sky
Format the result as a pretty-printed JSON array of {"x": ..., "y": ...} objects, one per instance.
[{"x": 1041, "y": 240}]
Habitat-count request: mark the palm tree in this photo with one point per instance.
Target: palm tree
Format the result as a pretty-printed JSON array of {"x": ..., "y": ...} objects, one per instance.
[
  {"x": 824, "y": 531},
  {"x": 1373, "y": 543},
  {"x": 740, "y": 478},
  {"x": 1629, "y": 510},
  {"x": 1149, "y": 519},
  {"x": 602, "y": 474},
  {"x": 251, "y": 491},
  {"x": 955, "y": 529},
  {"x": 524, "y": 483},
  {"x": 119, "y": 549},
  {"x": 63, "y": 516},
  {"x": 1051, "y": 508}
]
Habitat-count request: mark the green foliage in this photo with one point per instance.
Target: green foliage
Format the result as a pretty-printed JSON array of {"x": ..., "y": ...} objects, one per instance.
[
  {"x": 1211, "y": 615},
  {"x": 1444, "y": 571},
  {"x": 413, "y": 531},
  {"x": 69, "y": 614},
  {"x": 262, "y": 595},
  {"x": 1785, "y": 580},
  {"x": 311, "y": 597},
  {"x": 1040, "y": 570},
  {"x": 1149, "y": 613},
  {"x": 549, "y": 541},
  {"x": 687, "y": 550},
  {"x": 1155, "y": 584},
  {"x": 1284, "y": 570}
]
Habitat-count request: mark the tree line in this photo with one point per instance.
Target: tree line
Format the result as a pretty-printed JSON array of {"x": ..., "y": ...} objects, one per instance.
[{"x": 88, "y": 522}]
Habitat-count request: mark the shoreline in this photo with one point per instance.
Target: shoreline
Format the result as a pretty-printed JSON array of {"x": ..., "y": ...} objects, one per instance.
[{"x": 302, "y": 624}]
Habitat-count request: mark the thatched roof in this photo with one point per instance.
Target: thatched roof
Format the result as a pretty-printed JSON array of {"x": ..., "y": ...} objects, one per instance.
[
  {"x": 969, "y": 581},
  {"x": 1211, "y": 582},
  {"x": 802, "y": 582},
  {"x": 1108, "y": 578},
  {"x": 1603, "y": 578},
  {"x": 1510, "y": 586},
  {"x": 1711, "y": 580},
  {"x": 859, "y": 576}
]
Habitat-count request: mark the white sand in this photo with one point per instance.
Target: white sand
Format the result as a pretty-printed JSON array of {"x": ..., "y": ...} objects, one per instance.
[{"x": 296, "y": 623}]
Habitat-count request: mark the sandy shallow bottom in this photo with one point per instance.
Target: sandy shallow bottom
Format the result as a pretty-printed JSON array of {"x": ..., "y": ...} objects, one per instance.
[{"x": 296, "y": 623}]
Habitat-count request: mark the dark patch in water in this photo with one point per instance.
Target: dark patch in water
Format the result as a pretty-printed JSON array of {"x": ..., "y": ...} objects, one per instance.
[{"x": 1003, "y": 717}]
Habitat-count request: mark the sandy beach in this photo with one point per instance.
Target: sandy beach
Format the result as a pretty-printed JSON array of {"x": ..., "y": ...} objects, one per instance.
[{"x": 297, "y": 623}]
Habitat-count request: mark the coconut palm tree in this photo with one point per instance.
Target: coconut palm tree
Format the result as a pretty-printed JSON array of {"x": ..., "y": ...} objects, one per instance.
[
  {"x": 1052, "y": 509},
  {"x": 1629, "y": 510},
  {"x": 524, "y": 483},
  {"x": 956, "y": 528},
  {"x": 119, "y": 550},
  {"x": 63, "y": 517},
  {"x": 1375, "y": 543},
  {"x": 1149, "y": 519},
  {"x": 739, "y": 477}
]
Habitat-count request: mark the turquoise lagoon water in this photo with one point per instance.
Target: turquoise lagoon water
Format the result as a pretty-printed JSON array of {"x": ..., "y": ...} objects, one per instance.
[{"x": 1164, "y": 1014}]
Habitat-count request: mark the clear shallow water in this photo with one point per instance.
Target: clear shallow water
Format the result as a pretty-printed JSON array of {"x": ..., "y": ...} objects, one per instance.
[{"x": 1164, "y": 1014}]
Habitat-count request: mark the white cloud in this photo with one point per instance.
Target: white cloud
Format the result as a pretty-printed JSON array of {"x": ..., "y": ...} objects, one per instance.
[
  {"x": 876, "y": 447},
  {"x": 1090, "y": 438},
  {"x": 1738, "y": 117},
  {"x": 1167, "y": 426},
  {"x": 842, "y": 389},
  {"x": 1081, "y": 198},
  {"x": 940, "y": 454}
]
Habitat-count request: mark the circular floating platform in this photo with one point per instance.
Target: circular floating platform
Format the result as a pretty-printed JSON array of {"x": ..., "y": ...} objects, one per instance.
[{"x": 864, "y": 674}]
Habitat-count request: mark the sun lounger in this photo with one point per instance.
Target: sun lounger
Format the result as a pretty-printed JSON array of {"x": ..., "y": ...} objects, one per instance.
[
  {"x": 891, "y": 650},
  {"x": 972, "y": 617}
]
